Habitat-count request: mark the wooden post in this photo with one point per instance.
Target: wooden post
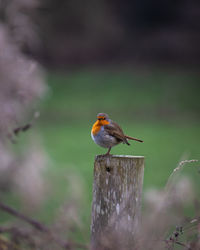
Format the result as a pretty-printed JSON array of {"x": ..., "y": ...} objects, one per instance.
[{"x": 117, "y": 191}]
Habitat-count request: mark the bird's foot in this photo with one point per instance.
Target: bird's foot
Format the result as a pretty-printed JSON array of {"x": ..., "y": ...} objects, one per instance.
[{"x": 107, "y": 154}]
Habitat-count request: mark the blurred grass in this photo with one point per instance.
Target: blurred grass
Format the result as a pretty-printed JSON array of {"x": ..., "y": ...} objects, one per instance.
[
  {"x": 162, "y": 108},
  {"x": 129, "y": 95}
]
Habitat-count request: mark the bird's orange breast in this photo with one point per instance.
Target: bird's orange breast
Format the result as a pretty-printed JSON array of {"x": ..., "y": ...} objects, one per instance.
[{"x": 97, "y": 126}]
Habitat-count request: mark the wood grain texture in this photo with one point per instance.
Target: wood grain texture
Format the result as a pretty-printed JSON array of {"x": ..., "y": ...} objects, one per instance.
[{"x": 116, "y": 207}]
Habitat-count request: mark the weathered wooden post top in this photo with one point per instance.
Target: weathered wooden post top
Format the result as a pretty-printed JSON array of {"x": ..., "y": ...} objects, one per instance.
[{"x": 116, "y": 207}]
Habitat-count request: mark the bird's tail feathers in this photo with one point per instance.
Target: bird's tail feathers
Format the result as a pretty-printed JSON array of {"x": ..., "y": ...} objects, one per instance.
[{"x": 131, "y": 138}]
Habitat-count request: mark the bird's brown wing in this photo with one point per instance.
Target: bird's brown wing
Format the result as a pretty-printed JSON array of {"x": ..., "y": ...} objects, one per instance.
[{"x": 115, "y": 130}]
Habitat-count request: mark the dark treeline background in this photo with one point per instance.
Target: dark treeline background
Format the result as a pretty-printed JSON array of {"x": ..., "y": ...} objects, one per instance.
[{"x": 75, "y": 32}]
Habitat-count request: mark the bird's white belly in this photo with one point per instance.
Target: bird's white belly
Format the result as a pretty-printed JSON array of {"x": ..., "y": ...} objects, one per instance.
[{"x": 104, "y": 140}]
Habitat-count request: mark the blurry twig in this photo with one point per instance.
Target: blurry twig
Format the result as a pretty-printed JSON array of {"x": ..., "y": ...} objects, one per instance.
[
  {"x": 174, "y": 238},
  {"x": 39, "y": 226},
  {"x": 27, "y": 126},
  {"x": 170, "y": 243},
  {"x": 180, "y": 166}
]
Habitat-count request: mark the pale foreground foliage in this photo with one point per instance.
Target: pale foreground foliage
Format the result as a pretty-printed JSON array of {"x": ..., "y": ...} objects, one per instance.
[{"x": 21, "y": 87}]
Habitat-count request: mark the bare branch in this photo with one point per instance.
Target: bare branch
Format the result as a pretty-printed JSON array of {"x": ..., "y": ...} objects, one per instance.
[{"x": 40, "y": 227}]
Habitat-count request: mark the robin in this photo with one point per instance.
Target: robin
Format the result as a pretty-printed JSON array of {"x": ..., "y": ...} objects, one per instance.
[{"x": 107, "y": 133}]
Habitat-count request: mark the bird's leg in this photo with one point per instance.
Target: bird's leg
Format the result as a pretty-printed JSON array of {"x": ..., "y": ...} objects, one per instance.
[{"x": 108, "y": 153}]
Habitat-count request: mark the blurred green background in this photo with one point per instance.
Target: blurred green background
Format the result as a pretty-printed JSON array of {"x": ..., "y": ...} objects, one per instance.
[{"x": 139, "y": 62}]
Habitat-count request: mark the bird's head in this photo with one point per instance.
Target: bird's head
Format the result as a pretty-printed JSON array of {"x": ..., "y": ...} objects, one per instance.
[{"x": 103, "y": 118}]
